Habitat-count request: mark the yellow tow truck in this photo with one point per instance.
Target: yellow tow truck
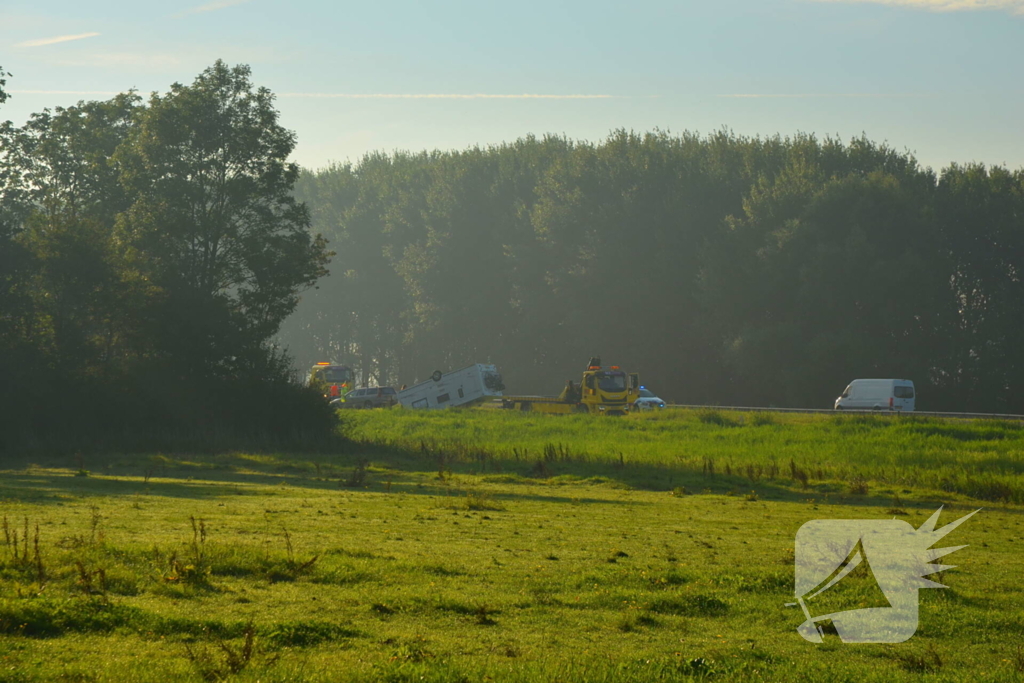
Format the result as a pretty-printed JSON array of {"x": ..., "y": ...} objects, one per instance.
[
  {"x": 603, "y": 391},
  {"x": 332, "y": 380}
]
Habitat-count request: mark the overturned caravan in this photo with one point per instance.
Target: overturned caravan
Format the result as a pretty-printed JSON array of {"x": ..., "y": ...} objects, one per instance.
[{"x": 469, "y": 385}]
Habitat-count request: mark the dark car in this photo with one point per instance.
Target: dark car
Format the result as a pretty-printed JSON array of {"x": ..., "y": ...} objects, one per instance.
[{"x": 370, "y": 397}]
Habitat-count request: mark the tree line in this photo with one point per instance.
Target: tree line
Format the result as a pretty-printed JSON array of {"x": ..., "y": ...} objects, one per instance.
[
  {"x": 149, "y": 251},
  {"x": 157, "y": 255},
  {"x": 725, "y": 269}
]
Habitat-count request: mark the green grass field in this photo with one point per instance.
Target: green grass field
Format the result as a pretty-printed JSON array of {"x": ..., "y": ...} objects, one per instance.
[{"x": 490, "y": 546}]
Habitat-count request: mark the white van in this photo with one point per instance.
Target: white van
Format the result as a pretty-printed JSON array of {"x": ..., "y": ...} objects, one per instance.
[{"x": 877, "y": 394}]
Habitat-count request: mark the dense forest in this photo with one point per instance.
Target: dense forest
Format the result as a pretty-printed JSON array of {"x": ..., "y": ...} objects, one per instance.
[
  {"x": 148, "y": 253},
  {"x": 162, "y": 269},
  {"x": 724, "y": 269}
]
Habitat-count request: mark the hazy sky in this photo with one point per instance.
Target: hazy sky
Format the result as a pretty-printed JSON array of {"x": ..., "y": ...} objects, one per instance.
[{"x": 942, "y": 78}]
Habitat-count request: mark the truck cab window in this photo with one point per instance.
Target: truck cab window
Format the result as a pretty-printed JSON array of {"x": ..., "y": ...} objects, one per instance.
[{"x": 611, "y": 381}]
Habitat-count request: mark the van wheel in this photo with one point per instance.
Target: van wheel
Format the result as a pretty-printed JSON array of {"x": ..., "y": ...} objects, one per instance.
[
  {"x": 367, "y": 405},
  {"x": 839, "y": 407},
  {"x": 877, "y": 408}
]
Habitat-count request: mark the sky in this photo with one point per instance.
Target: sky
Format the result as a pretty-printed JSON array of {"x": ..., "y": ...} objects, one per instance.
[{"x": 943, "y": 79}]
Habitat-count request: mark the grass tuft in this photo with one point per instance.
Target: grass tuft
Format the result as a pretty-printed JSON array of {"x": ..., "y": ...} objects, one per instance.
[
  {"x": 217, "y": 659},
  {"x": 709, "y": 416},
  {"x": 919, "y": 661}
]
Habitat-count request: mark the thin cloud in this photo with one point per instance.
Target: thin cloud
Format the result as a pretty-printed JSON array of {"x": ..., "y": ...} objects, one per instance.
[
  {"x": 108, "y": 60},
  {"x": 370, "y": 96},
  {"x": 63, "y": 92},
  {"x": 50, "y": 41},
  {"x": 211, "y": 7},
  {"x": 442, "y": 96},
  {"x": 818, "y": 95},
  {"x": 1012, "y": 6}
]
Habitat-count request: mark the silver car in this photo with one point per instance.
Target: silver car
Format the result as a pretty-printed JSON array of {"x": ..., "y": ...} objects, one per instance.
[
  {"x": 372, "y": 397},
  {"x": 648, "y": 400}
]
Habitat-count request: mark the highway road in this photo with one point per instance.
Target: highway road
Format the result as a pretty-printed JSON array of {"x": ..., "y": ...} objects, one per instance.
[{"x": 896, "y": 413}]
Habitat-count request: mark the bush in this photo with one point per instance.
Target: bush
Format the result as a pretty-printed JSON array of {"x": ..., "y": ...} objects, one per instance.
[{"x": 159, "y": 408}]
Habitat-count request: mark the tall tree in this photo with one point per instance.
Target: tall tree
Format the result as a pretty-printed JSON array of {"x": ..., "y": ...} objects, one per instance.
[
  {"x": 831, "y": 273},
  {"x": 980, "y": 212},
  {"x": 214, "y": 219},
  {"x": 58, "y": 166},
  {"x": 15, "y": 262}
]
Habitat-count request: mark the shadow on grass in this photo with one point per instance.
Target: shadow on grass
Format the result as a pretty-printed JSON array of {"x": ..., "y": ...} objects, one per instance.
[{"x": 392, "y": 469}]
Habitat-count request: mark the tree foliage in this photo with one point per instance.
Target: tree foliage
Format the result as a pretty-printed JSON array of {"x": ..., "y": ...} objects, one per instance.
[
  {"x": 214, "y": 218},
  {"x": 151, "y": 252},
  {"x": 725, "y": 269},
  {"x": 3, "y": 84}
]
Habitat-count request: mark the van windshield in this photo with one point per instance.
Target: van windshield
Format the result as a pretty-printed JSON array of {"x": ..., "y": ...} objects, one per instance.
[
  {"x": 904, "y": 392},
  {"x": 331, "y": 375}
]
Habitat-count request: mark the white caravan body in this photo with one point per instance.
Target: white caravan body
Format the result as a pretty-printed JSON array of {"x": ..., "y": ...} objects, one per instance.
[
  {"x": 461, "y": 387},
  {"x": 878, "y": 394}
]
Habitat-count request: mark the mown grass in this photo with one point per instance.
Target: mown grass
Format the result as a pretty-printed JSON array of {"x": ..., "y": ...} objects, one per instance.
[{"x": 477, "y": 545}]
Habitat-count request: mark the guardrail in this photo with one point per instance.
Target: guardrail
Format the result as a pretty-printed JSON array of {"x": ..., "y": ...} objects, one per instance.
[{"x": 751, "y": 409}]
